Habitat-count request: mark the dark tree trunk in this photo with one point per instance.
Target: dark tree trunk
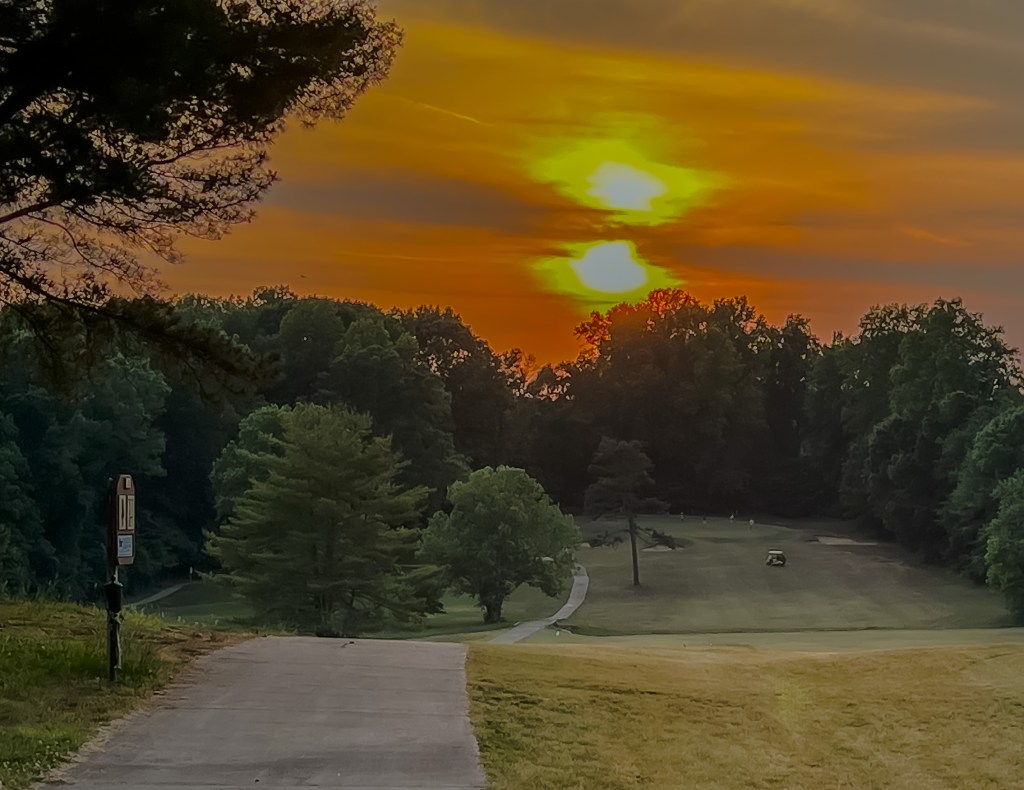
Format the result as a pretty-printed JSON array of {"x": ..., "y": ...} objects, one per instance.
[
  {"x": 492, "y": 612},
  {"x": 632, "y": 545}
]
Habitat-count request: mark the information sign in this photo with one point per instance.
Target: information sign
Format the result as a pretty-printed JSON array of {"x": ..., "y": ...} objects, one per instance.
[{"x": 121, "y": 540}]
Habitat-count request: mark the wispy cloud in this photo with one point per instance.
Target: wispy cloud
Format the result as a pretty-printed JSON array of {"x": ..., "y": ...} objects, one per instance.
[
  {"x": 432, "y": 108},
  {"x": 927, "y": 235}
]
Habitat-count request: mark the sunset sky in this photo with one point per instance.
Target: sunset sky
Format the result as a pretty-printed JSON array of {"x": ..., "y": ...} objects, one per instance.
[{"x": 531, "y": 160}]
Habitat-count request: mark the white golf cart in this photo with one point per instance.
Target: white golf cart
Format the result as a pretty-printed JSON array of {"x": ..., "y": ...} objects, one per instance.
[{"x": 775, "y": 558}]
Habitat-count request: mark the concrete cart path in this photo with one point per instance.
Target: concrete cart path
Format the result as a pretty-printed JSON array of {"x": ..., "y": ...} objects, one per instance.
[
  {"x": 293, "y": 712},
  {"x": 580, "y": 583},
  {"x": 165, "y": 593}
]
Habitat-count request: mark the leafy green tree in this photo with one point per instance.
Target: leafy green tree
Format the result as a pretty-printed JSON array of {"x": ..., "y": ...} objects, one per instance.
[
  {"x": 687, "y": 380},
  {"x": 1004, "y": 552},
  {"x": 623, "y": 476},
  {"x": 996, "y": 453},
  {"x": 376, "y": 370},
  {"x": 792, "y": 349},
  {"x": 180, "y": 502},
  {"x": 952, "y": 375},
  {"x": 73, "y": 442},
  {"x": 307, "y": 341},
  {"x": 124, "y": 410},
  {"x": 503, "y": 531},
  {"x": 553, "y": 436},
  {"x": 866, "y": 363},
  {"x": 787, "y": 482},
  {"x": 321, "y": 540},
  {"x": 162, "y": 131},
  {"x": 21, "y": 534},
  {"x": 476, "y": 379},
  {"x": 826, "y": 441}
]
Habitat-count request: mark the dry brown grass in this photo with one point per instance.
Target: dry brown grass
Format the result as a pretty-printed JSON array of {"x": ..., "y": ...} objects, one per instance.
[{"x": 595, "y": 717}]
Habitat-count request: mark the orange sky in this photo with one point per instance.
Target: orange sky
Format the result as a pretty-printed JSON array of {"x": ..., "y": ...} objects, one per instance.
[{"x": 853, "y": 152}]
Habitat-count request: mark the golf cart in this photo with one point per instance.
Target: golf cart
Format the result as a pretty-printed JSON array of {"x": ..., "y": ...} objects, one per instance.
[{"x": 775, "y": 558}]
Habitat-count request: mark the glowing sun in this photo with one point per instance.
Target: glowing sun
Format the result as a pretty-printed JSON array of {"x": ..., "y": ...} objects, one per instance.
[
  {"x": 618, "y": 177},
  {"x": 610, "y": 268},
  {"x": 603, "y": 273}
]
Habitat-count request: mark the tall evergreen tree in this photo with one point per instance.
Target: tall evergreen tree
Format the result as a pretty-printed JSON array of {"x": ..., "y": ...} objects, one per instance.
[{"x": 323, "y": 542}]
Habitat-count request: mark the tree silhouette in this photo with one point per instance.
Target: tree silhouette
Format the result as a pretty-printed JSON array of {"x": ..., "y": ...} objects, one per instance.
[
  {"x": 126, "y": 125},
  {"x": 623, "y": 473}
]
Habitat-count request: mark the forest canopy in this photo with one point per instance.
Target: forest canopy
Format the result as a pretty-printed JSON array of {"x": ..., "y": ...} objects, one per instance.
[{"x": 911, "y": 425}]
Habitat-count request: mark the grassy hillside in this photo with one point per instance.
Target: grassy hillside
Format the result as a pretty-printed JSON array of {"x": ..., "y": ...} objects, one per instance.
[
  {"x": 54, "y": 693},
  {"x": 718, "y": 582},
  {"x": 203, "y": 603},
  {"x": 717, "y": 718}
]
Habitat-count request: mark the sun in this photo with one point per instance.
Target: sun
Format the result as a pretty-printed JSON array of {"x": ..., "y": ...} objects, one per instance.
[
  {"x": 604, "y": 273},
  {"x": 618, "y": 177},
  {"x": 610, "y": 268},
  {"x": 625, "y": 188}
]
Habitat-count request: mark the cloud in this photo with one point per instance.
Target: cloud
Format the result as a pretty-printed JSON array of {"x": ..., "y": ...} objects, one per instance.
[
  {"x": 976, "y": 47},
  {"x": 407, "y": 198},
  {"x": 443, "y": 111},
  {"x": 927, "y": 235},
  {"x": 929, "y": 276}
]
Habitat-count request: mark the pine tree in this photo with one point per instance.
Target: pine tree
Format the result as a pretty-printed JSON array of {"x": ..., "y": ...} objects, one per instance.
[{"x": 321, "y": 542}]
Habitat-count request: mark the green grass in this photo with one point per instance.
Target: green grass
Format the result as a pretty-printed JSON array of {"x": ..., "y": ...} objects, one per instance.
[
  {"x": 462, "y": 619},
  {"x": 54, "y": 692},
  {"x": 608, "y": 718},
  {"x": 204, "y": 603},
  {"x": 209, "y": 605},
  {"x": 718, "y": 583}
]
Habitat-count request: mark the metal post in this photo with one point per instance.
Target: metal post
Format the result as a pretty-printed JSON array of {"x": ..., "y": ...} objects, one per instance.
[
  {"x": 120, "y": 551},
  {"x": 114, "y": 605}
]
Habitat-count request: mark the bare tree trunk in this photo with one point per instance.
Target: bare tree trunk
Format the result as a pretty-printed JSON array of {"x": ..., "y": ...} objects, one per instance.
[
  {"x": 492, "y": 611},
  {"x": 632, "y": 545}
]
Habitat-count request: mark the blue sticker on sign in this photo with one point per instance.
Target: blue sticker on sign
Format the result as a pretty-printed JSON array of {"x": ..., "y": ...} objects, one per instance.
[{"x": 125, "y": 545}]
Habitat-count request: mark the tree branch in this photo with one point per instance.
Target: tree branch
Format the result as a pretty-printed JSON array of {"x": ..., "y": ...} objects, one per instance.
[{"x": 22, "y": 212}]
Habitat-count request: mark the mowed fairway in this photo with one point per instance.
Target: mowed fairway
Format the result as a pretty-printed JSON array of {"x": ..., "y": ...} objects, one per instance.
[
  {"x": 594, "y": 717},
  {"x": 718, "y": 583}
]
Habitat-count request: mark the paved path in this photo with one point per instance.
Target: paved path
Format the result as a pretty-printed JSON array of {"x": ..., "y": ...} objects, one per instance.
[
  {"x": 156, "y": 596},
  {"x": 281, "y": 713},
  {"x": 577, "y": 594}
]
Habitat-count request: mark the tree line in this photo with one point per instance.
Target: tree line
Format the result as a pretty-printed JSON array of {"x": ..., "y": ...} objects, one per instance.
[
  {"x": 349, "y": 420},
  {"x": 914, "y": 425}
]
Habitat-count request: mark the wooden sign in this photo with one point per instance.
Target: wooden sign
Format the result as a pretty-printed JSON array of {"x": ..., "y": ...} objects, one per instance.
[{"x": 121, "y": 539}]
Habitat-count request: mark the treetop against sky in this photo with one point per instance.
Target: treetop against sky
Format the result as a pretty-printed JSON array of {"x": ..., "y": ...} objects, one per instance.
[{"x": 529, "y": 162}]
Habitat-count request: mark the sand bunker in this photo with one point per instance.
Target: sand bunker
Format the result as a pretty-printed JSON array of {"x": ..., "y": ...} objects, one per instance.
[
  {"x": 659, "y": 548},
  {"x": 842, "y": 541}
]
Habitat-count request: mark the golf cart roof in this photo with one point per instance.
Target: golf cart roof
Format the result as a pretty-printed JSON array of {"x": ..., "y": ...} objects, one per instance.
[{"x": 774, "y": 551}]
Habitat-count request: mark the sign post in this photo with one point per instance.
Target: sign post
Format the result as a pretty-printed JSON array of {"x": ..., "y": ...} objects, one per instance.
[{"x": 120, "y": 551}]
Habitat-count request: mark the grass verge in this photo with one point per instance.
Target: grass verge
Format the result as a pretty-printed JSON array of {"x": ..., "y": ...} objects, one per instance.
[
  {"x": 54, "y": 692},
  {"x": 716, "y": 718}
]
